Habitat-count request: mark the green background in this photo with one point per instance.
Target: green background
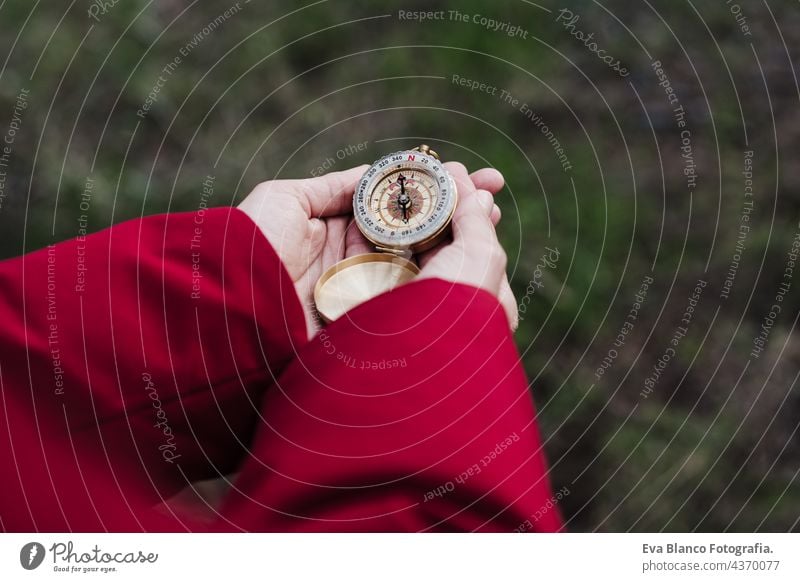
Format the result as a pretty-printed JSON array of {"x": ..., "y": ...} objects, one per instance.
[{"x": 278, "y": 88}]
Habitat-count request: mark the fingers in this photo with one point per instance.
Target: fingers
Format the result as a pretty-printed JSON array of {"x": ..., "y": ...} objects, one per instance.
[
  {"x": 496, "y": 215},
  {"x": 459, "y": 173},
  {"x": 488, "y": 179},
  {"x": 472, "y": 202},
  {"x": 492, "y": 181},
  {"x": 498, "y": 259},
  {"x": 328, "y": 195},
  {"x": 471, "y": 214},
  {"x": 475, "y": 256},
  {"x": 471, "y": 221},
  {"x": 509, "y": 303},
  {"x": 487, "y": 201},
  {"x": 465, "y": 188},
  {"x": 332, "y": 193}
]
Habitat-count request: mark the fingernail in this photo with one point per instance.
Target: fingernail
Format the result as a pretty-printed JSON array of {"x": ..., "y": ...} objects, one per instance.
[{"x": 486, "y": 200}]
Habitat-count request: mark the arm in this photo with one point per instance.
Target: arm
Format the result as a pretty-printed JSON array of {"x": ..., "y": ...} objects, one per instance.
[
  {"x": 411, "y": 412},
  {"x": 134, "y": 361}
]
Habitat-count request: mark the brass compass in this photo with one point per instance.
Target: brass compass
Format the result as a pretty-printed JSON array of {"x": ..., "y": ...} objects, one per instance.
[{"x": 403, "y": 205}]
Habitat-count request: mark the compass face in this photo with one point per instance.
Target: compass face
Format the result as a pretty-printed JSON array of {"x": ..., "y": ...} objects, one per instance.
[{"x": 404, "y": 200}]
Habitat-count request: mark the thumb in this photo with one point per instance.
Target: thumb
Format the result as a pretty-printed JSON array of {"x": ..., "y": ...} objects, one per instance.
[
  {"x": 472, "y": 225},
  {"x": 475, "y": 237},
  {"x": 332, "y": 193}
]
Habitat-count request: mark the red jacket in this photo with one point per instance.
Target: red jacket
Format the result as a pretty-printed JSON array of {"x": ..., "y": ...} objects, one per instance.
[{"x": 172, "y": 349}]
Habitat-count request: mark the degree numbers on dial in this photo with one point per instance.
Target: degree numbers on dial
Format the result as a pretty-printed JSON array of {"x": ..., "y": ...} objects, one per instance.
[{"x": 403, "y": 199}]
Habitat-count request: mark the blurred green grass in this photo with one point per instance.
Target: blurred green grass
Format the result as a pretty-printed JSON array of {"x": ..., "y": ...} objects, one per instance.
[{"x": 278, "y": 88}]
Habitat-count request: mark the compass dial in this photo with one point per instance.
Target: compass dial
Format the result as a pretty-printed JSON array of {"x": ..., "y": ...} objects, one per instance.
[{"x": 404, "y": 201}]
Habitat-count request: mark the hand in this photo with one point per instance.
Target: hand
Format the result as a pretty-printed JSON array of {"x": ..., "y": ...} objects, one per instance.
[
  {"x": 474, "y": 256},
  {"x": 309, "y": 224},
  {"x": 306, "y": 222}
]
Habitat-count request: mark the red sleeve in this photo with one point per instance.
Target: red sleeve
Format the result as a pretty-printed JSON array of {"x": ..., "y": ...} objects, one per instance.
[
  {"x": 134, "y": 361},
  {"x": 411, "y": 413}
]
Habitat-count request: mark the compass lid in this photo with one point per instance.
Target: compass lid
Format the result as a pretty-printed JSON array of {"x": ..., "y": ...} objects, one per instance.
[{"x": 352, "y": 281}]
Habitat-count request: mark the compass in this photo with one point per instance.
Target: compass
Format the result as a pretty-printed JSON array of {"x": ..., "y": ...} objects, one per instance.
[{"x": 403, "y": 205}]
